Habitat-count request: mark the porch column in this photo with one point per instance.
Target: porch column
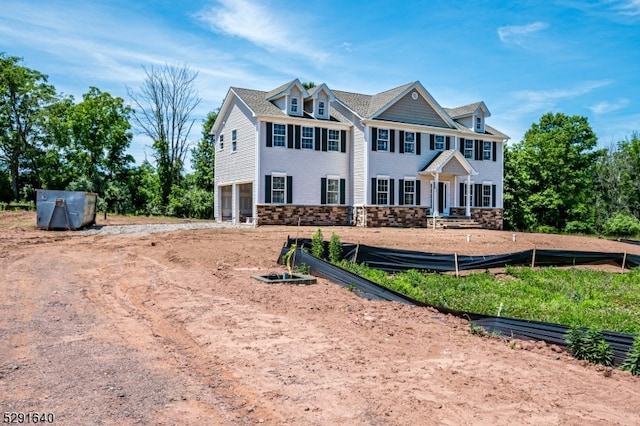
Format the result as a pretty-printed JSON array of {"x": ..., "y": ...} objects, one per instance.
[
  {"x": 436, "y": 194},
  {"x": 235, "y": 197},
  {"x": 468, "y": 212}
]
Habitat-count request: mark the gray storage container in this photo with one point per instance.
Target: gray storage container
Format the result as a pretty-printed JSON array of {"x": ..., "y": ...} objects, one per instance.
[{"x": 58, "y": 209}]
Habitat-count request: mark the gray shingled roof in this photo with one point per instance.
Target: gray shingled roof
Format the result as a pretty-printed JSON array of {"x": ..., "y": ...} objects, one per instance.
[
  {"x": 383, "y": 98},
  {"x": 257, "y": 101},
  {"x": 278, "y": 89},
  {"x": 462, "y": 110},
  {"x": 440, "y": 160},
  {"x": 363, "y": 105}
]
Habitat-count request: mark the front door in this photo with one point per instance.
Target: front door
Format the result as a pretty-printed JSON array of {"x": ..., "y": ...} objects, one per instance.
[{"x": 444, "y": 194}]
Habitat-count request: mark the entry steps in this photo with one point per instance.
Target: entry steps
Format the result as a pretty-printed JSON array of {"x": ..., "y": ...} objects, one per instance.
[{"x": 454, "y": 222}]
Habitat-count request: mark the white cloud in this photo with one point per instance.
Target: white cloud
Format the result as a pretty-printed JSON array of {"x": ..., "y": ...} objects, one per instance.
[
  {"x": 629, "y": 8},
  {"x": 536, "y": 100},
  {"x": 259, "y": 25},
  {"x": 605, "y": 106},
  {"x": 519, "y": 34}
]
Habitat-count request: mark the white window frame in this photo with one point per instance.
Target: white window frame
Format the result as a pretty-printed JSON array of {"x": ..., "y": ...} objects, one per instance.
[
  {"x": 468, "y": 150},
  {"x": 382, "y": 196},
  {"x": 439, "y": 143},
  {"x": 307, "y": 141},
  {"x": 321, "y": 108},
  {"x": 478, "y": 123},
  {"x": 333, "y": 190},
  {"x": 468, "y": 186},
  {"x": 412, "y": 193},
  {"x": 486, "y": 150},
  {"x": 280, "y": 189},
  {"x": 382, "y": 144},
  {"x": 294, "y": 105},
  {"x": 487, "y": 194},
  {"x": 234, "y": 140},
  {"x": 277, "y": 136},
  {"x": 333, "y": 140},
  {"x": 221, "y": 142},
  {"x": 409, "y": 141}
]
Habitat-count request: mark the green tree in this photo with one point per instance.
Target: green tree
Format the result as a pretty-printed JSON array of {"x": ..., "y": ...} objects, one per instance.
[
  {"x": 549, "y": 174},
  {"x": 203, "y": 156},
  {"x": 24, "y": 93}
]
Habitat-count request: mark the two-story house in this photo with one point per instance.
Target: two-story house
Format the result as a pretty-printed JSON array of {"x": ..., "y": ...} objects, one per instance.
[{"x": 329, "y": 157}]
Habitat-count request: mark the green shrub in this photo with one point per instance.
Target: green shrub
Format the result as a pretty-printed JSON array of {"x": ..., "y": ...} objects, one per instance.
[
  {"x": 622, "y": 225},
  {"x": 590, "y": 346},
  {"x": 546, "y": 229},
  {"x": 632, "y": 362},
  {"x": 317, "y": 244},
  {"x": 579, "y": 227},
  {"x": 335, "y": 249}
]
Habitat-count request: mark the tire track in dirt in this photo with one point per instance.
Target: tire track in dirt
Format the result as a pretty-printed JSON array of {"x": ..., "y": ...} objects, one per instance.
[{"x": 137, "y": 315}]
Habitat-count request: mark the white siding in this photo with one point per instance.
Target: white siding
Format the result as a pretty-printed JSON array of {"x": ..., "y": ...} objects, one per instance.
[
  {"x": 357, "y": 145},
  {"x": 234, "y": 167},
  {"x": 306, "y": 166}
]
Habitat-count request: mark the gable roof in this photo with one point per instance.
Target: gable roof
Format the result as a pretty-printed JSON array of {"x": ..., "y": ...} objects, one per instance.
[
  {"x": 441, "y": 159},
  {"x": 467, "y": 110},
  {"x": 363, "y": 105}
]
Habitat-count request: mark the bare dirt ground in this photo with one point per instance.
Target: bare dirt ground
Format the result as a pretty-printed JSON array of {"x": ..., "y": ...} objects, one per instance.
[{"x": 169, "y": 328}]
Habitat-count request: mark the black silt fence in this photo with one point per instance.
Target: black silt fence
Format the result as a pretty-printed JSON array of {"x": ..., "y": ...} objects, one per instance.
[{"x": 620, "y": 343}]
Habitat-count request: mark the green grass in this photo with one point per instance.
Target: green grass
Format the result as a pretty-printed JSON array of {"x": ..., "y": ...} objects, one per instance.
[{"x": 573, "y": 297}]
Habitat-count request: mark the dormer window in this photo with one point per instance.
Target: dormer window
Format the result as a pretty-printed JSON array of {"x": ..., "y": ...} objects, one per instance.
[
  {"x": 321, "y": 108},
  {"x": 478, "y": 123},
  {"x": 294, "y": 105}
]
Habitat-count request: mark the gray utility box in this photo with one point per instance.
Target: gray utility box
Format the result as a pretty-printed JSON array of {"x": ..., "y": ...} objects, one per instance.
[{"x": 58, "y": 209}]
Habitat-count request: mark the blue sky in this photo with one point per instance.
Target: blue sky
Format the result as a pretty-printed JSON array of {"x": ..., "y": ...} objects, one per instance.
[{"x": 522, "y": 58}]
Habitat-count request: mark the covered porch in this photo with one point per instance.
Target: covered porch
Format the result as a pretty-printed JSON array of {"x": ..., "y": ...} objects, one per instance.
[{"x": 449, "y": 176}]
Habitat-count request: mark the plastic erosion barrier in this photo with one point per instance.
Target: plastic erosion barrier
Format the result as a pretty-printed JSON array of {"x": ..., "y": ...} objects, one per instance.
[
  {"x": 620, "y": 343},
  {"x": 624, "y": 240},
  {"x": 395, "y": 260}
]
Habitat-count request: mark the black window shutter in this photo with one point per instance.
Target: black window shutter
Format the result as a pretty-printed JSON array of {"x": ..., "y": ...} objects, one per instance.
[
  {"x": 392, "y": 143},
  {"x": 323, "y": 190},
  {"x": 343, "y": 141},
  {"x": 418, "y": 143},
  {"x": 297, "y": 137},
  {"x": 290, "y": 136},
  {"x": 417, "y": 192},
  {"x": 267, "y": 189},
  {"x": 478, "y": 150},
  {"x": 495, "y": 149},
  {"x": 432, "y": 142},
  {"x": 392, "y": 199},
  {"x": 374, "y": 139},
  {"x": 269, "y": 134},
  {"x": 343, "y": 193},
  {"x": 401, "y": 142},
  {"x": 374, "y": 191},
  {"x": 477, "y": 195},
  {"x": 448, "y": 142},
  {"x": 462, "y": 200},
  {"x": 493, "y": 195},
  {"x": 289, "y": 189},
  {"x": 400, "y": 192},
  {"x": 324, "y": 139},
  {"x": 462, "y": 145},
  {"x": 316, "y": 134}
]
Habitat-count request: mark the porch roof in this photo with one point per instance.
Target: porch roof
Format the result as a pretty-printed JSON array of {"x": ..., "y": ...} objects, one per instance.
[{"x": 437, "y": 163}]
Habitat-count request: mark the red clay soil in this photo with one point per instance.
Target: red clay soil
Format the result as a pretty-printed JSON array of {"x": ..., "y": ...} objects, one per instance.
[{"x": 171, "y": 329}]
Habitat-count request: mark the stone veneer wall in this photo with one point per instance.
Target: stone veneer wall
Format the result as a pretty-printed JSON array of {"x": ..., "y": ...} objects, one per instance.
[
  {"x": 487, "y": 217},
  {"x": 287, "y": 214},
  {"x": 397, "y": 216}
]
